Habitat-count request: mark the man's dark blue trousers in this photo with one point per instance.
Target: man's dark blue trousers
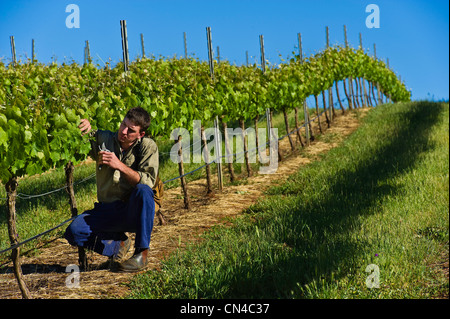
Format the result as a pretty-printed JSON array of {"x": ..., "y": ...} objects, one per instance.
[{"x": 103, "y": 228}]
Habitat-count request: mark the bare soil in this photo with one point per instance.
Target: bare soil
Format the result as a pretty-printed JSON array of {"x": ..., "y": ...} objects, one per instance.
[{"x": 45, "y": 274}]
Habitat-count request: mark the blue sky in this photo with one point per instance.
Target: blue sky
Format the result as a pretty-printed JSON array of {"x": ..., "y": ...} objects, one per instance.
[{"x": 413, "y": 34}]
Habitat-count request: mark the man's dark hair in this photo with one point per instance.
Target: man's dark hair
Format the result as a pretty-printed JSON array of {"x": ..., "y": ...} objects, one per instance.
[{"x": 140, "y": 117}]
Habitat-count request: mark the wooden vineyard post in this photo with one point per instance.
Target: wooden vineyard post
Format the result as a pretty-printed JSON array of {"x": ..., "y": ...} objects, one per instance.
[
  {"x": 218, "y": 142},
  {"x": 11, "y": 191},
  {"x": 255, "y": 121},
  {"x": 142, "y": 45},
  {"x": 268, "y": 125},
  {"x": 310, "y": 130},
  {"x": 187, "y": 202},
  {"x": 325, "y": 109},
  {"x": 389, "y": 99},
  {"x": 270, "y": 130},
  {"x": 349, "y": 94},
  {"x": 331, "y": 103},
  {"x": 185, "y": 46},
  {"x": 33, "y": 55},
  {"x": 280, "y": 156},
  {"x": 297, "y": 127},
  {"x": 87, "y": 53},
  {"x": 379, "y": 100},
  {"x": 13, "y": 50},
  {"x": 305, "y": 107},
  {"x": 362, "y": 87},
  {"x": 216, "y": 123},
  {"x": 318, "y": 114},
  {"x": 338, "y": 97},
  {"x": 352, "y": 94},
  {"x": 286, "y": 123},
  {"x": 244, "y": 140},
  {"x": 218, "y": 55},
  {"x": 357, "y": 93},
  {"x": 330, "y": 91},
  {"x": 369, "y": 95},
  {"x": 373, "y": 94},
  {"x": 268, "y": 110},
  {"x": 263, "y": 57},
  {"x": 210, "y": 52},
  {"x": 82, "y": 258},
  {"x": 228, "y": 153},
  {"x": 206, "y": 158},
  {"x": 365, "y": 99},
  {"x": 123, "y": 30}
]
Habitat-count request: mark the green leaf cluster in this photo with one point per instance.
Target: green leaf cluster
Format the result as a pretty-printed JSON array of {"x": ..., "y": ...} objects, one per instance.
[{"x": 42, "y": 105}]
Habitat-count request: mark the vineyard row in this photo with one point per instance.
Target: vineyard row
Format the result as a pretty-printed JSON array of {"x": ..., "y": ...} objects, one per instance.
[{"x": 41, "y": 105}]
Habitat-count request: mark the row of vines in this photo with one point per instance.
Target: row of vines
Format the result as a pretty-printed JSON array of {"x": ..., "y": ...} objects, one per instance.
[{"x": 41, "y": 105}]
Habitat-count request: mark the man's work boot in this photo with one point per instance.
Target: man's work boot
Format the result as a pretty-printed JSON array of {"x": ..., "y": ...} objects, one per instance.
[
  {"x": 123, "y": 250},
  {"x": 136, "y": 263},
  {"x": 113, "y": 262}
]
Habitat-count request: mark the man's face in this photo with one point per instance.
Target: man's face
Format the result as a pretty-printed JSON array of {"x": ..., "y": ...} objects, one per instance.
[{"x": 129, "y": 132}]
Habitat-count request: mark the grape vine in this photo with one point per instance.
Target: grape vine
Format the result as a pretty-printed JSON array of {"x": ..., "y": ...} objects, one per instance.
[{"x": 41, "y": 105}]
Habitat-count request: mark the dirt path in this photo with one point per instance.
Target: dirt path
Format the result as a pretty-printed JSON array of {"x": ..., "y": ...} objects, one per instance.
[{"x": 45, "y": 274}]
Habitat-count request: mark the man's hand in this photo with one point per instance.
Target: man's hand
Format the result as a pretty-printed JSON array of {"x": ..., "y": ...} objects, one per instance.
[
  {"x": 84, "y": 126},
  {"x": 110, "y": 159}
]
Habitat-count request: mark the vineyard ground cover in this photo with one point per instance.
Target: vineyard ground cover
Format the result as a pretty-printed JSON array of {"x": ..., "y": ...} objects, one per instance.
[{"x": 45, "y": 261}]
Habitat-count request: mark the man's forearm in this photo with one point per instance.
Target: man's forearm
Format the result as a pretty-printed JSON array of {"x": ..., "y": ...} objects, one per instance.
[
  {"x": 130, "y": 174},
  {"x": 110, "y": 159}
]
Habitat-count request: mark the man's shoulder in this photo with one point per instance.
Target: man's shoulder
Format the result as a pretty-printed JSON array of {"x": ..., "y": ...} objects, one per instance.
[
  {"x": 147, "y": 144},
  {"x": 107, "y": 138},
  {"x": 104, "y": 134}
]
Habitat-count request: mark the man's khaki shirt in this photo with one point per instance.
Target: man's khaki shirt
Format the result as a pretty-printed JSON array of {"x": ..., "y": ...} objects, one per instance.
[{"x": 142, "y": 156}]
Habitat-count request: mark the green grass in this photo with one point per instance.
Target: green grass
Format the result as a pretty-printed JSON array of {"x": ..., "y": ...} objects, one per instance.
[{"x": 380, "y": 198}]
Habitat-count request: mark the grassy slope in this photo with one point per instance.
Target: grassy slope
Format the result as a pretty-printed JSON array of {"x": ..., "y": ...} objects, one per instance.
[{"x": 381, "y": 198}]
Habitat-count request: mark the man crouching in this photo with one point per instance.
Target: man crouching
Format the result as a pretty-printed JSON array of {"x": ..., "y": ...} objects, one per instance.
[{"x": 127, "y": 167}]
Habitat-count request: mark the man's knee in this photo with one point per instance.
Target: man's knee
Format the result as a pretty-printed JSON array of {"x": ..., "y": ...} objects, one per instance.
[
  {"x": 144, "y": 191},
  {"x": 78, "y": 231}
]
